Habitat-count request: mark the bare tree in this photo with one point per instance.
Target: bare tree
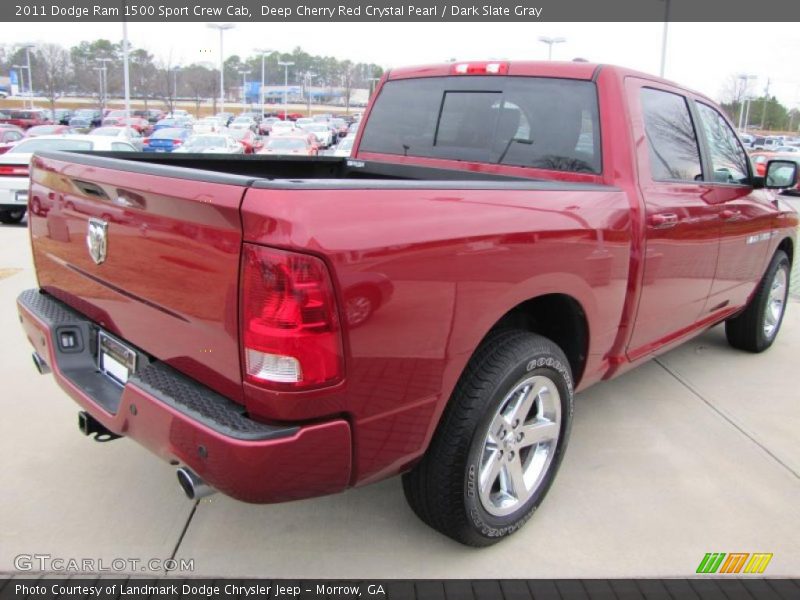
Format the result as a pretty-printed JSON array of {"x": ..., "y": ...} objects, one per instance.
[{"x": 54, "y": 73}]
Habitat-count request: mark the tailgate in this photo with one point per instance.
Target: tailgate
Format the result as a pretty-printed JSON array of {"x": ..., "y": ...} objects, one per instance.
[{"x": 167, "y": 279}]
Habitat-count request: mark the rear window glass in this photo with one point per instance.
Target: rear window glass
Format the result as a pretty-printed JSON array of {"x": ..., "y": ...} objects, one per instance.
[{"x": 537, "y": 122}]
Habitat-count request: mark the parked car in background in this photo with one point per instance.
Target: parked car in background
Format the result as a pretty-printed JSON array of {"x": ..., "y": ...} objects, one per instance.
[
  {"x": 10, "y": 135},
  {"x": 339, "y": 126},
  {"x": 114, "y": 117},
  {"x": 747, "y": 139},
  {"x": 212, "y": 143},
  {"x": 85, "y": 119},
  {"x": 265, "y": 126},
  {"x": 243, "y": 122},
  {"x": 787, "y": 149},
  {"x": 353, "y": 129},
  {"x": 291, "y": 145},
  {"x": 323, "y": 132},
  {"x": 766, "y": 143},
  {"x": 285, "y": 128},
  {"x": 128, "y": 134},
  {"x": 38, "y": 130},
  {"x": 140, "y": 124},
  {"x": 344, "y": 147},
  {"x": 14, "y": 179},
  {"x": 760, "y": 160},
  {"x": 208, "y": 125},
  {"x": 225, "y": 117},
  {"x": 153, "y": 115},
  {"x": 249, "y": 140},
  {"x": 25, "y": 118},
  {"x": 303, "y": 121},
  {"x": 181, "y": 114},
  {"x": 166, "y": 139},
  {"x": 169, "y": 123}
]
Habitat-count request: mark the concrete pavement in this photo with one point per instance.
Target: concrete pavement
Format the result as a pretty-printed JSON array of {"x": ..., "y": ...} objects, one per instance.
[{"x": 694, "y": 452}]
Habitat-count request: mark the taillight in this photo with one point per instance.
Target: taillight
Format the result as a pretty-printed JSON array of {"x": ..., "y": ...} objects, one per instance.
[
  {"x": 480, "y": 68},
  {"x": 14, "y": 170},
  {"x": 291, "y": 335},
  {"x": 177, "y": 142},
  {"x": 146, "y": 141}
]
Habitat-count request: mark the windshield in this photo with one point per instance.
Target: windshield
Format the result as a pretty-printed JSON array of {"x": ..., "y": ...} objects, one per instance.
[
  {"x": 36, "y": 144},
  {"x": 107, "y": 131},
  {"x": 206, "y": 142},
  {"x": 286, "y": 144},
  {"x": 169, "y": 133}
]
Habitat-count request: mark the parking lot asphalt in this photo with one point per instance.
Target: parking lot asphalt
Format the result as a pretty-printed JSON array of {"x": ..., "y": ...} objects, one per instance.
[{"x": 694, "y": 452}]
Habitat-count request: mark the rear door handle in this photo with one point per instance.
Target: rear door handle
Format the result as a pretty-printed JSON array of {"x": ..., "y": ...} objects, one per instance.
[
  {"x": 663, "y": 220},
  {"x": 731, "y": 215}
]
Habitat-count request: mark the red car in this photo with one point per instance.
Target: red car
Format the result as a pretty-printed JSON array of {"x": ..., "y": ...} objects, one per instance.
[
  {"x": 536, "y": 227},
  {"x": 291, "y": 145},
  {"x": 24, "y": 118},
  {"x": 249, "y": 140}
]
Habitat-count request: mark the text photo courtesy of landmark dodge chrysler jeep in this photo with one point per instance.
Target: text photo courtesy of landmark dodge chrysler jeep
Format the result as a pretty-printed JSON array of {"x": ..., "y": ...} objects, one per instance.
[{"x": 504, "y": 235}]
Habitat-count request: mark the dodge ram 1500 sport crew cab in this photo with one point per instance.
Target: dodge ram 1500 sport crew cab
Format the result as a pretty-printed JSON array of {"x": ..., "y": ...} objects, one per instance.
[{"x": 504, "y": 234}]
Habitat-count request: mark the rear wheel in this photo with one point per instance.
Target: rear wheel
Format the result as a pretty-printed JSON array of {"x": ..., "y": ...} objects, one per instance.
[
  {"x": 756, "y": 328},
  {"x": 10, "y": 217},
  {"x": 500, "y": 441}
]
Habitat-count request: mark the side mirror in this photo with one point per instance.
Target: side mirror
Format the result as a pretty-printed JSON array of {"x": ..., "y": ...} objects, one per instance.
[{"x": 780, "y": 174}]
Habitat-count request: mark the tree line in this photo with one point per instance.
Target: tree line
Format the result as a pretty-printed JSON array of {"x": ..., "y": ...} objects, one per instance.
[{"x": 94, "y": 68}]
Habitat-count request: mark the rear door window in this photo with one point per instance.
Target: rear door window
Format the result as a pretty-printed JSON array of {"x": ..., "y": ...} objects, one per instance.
[
  {"x": 671, "y": 138},
  {"x": 537, "y": 122}
]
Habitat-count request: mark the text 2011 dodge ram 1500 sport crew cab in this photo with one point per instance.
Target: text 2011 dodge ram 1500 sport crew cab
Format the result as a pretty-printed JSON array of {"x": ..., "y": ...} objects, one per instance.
[{"x": 505, "y": 234}]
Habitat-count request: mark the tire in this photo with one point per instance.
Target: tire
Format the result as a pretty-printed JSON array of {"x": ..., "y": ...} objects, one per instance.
[
  {"x": 11, "y": 217},
  {"x": 464, "y": 484},
  {"x": 755, "y": 329}
]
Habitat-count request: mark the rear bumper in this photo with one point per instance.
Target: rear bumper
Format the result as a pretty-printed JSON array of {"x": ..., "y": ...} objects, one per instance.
[{"x": 182, "y": 420}]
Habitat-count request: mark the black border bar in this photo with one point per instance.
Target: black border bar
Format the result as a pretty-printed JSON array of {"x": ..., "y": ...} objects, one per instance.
[
  {"x": 307, "y": 11},
  {"x": 165, "y": 588}
]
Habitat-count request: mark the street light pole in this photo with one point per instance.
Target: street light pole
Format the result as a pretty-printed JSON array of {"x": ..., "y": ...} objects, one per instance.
[
  {"x": 125, "y": 71},
  {"x": 286, "y": 66},
  {"x": 221, "y": 28},
  {"x": 105, "y": 79},
  {"x": 244, "y": 88},
  {"x": 664, "y": 38},
  {"x": 100, "y": 81},
  {"x": 745, "y": 78},
  {"x": 30, "y": 74},
  {"x": 264, "y": 53},
  {"x": 307, "y": 79},
  {"x": 550, "y": 41}
]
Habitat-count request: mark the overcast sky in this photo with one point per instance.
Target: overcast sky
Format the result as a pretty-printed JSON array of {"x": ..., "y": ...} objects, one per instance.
[{"x": 700, "y": 55}]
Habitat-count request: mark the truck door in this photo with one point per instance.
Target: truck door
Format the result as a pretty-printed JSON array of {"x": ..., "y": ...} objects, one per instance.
[
  {"x": 745, "y": 214},
  {"x": 681, "y": 224}
]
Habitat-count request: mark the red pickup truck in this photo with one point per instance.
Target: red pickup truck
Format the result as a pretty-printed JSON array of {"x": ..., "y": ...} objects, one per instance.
[{"x": 504, "y": 235}]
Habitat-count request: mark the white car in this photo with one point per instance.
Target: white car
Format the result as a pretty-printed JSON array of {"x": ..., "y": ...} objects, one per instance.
[
  {"x": 322, "y": 131},
  {"x": 208, "y": 125},
  {"x": 243, "y": 123},
  {"x": 344, "y": 147},
  {"x": 14, "y": 166},
  {"x": 285, "y": 128},
  {"x": 211, "y": 143},
  {"x": 180, "y": 114},
  {"x": 128, "y": 134}
]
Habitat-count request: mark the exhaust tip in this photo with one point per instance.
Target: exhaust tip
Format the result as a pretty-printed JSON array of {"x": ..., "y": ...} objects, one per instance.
[
  {"x": 40, "y": 365},
  {"x": 192, "y": 485}
]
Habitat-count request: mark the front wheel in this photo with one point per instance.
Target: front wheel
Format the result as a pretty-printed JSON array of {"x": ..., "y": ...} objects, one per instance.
[
  {"x": 500, "y": 441},
  {"x": 756, "y": 328}
]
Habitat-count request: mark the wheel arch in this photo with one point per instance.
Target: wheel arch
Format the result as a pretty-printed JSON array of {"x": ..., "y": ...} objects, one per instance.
[{"x": 787, "y": 245}]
